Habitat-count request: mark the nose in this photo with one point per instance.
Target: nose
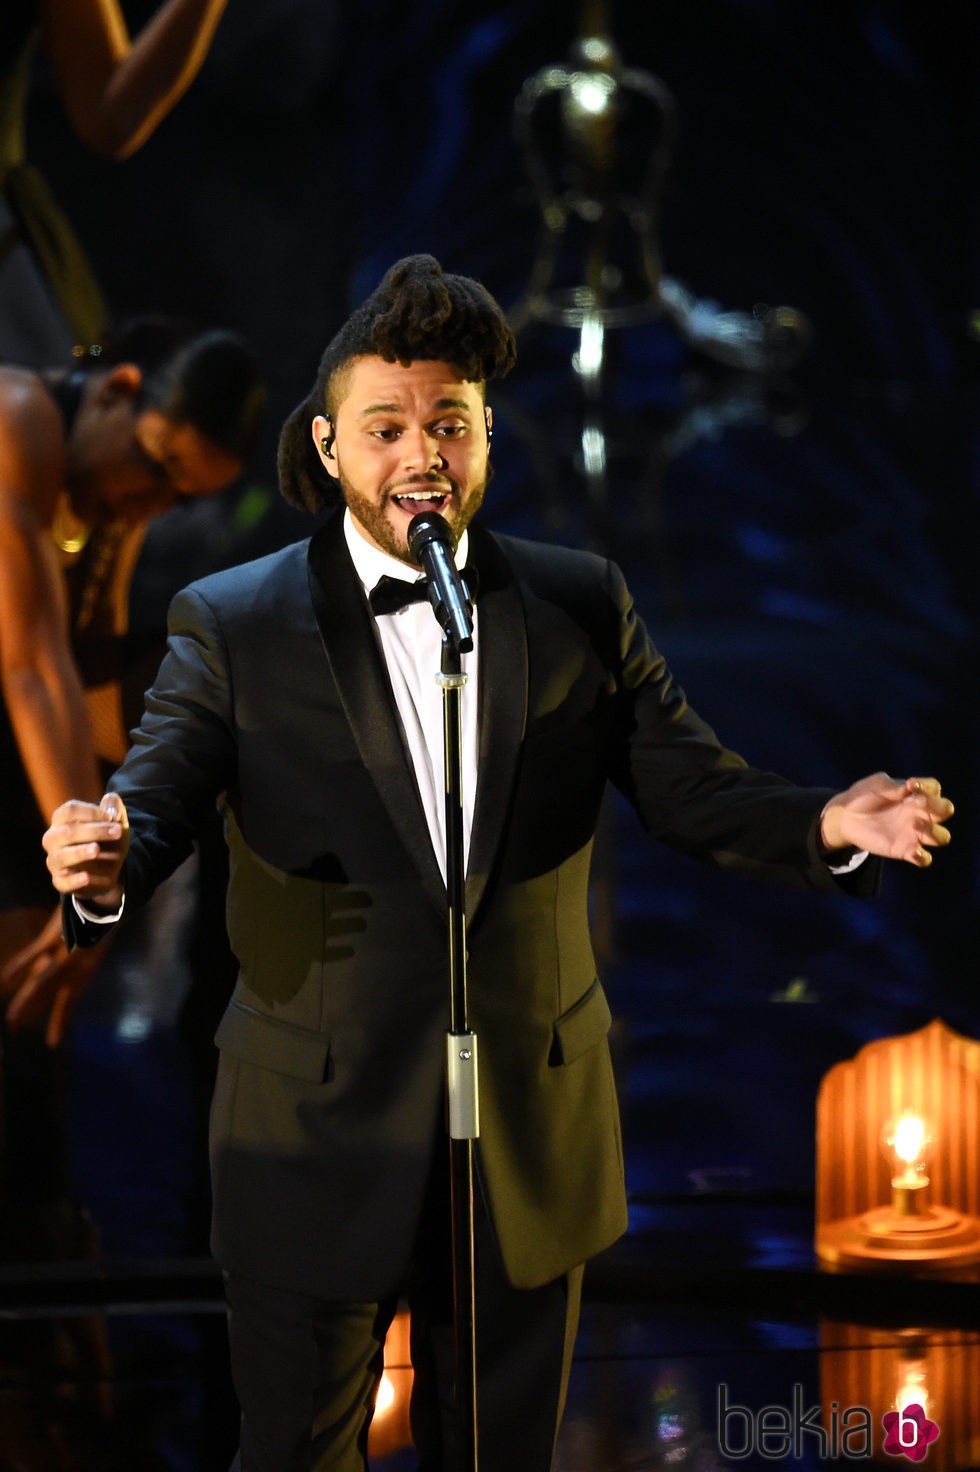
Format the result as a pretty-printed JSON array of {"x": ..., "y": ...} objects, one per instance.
[{"x": 421, "y": 450}]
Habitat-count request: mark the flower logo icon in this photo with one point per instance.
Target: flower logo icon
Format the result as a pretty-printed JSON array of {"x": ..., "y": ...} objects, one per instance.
[{"x": 909, "y": 1433}]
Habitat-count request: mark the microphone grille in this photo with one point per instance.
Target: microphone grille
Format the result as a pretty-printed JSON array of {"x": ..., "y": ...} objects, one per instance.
[{"x": 428, "y": 527}]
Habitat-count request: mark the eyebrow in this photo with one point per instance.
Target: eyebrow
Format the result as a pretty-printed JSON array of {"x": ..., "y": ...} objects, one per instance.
[{"x": 441, "y": 405}]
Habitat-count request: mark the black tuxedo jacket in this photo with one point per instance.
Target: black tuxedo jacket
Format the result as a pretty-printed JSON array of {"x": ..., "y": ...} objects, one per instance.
[{"x": 274, "y": 699}]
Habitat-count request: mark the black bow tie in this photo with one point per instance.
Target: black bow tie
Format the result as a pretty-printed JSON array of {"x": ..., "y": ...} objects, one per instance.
[{"x": 390, "y": 594}]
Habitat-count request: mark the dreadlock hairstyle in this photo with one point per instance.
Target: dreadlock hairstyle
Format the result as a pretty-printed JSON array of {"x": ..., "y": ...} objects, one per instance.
[{"x": 418, "y": 313}]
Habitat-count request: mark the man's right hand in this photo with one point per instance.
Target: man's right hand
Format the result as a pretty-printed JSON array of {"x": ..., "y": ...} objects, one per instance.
[{"x": 86, "y": 848}]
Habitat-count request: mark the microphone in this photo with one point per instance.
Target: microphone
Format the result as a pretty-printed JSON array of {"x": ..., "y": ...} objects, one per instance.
[{"x": 432, "y": 544}]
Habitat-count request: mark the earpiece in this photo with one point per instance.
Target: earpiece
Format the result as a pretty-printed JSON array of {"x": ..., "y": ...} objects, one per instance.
[{"x": 326, "y": 444}]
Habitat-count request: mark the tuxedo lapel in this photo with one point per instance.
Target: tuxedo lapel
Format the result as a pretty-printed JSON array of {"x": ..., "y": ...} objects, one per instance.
[
  {"x": 350, "y": 641},
  {"x": 503, "y": 706}
]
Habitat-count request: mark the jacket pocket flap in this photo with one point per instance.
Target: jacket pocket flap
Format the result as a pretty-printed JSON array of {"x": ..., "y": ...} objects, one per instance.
[
  {"x": 268, "y": 1043},
  {"x": 582, "y": 1026}
]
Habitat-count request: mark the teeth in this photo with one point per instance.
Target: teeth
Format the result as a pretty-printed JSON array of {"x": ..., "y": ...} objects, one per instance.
[{"x": 420, "y": 495}]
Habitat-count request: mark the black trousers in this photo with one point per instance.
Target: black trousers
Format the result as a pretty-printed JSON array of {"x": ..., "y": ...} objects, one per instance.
[{"x": 306, "y": 1370}]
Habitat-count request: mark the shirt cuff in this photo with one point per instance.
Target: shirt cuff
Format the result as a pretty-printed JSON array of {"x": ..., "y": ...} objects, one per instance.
[
  {"x": 854, "y": 862},
  {"x": 92, "y": 918}
]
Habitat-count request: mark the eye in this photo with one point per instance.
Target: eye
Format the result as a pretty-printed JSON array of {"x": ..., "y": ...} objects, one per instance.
[
  {"x": 450, "y": 431},
  {"x": 387, "y": 433}
]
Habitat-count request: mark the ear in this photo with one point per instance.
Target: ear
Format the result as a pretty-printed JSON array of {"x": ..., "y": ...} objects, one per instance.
[
  {"x": 323, "y": 436},
  {"x": 488, "y": 417},
  {"x": 122, "y": 381}
]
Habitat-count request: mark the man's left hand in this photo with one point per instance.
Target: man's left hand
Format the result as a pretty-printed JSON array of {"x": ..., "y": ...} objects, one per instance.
[{"x": 890, "y": 817}]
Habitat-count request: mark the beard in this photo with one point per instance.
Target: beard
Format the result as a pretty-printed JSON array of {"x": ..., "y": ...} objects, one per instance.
[{"x": 372, "y": 515}]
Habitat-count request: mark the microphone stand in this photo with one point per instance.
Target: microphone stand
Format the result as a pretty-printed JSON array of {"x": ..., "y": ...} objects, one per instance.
[{"x": 461, "y": 1066}]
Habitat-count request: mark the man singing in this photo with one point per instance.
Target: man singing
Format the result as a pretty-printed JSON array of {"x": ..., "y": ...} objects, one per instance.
[{"x": 300, "y": 696}]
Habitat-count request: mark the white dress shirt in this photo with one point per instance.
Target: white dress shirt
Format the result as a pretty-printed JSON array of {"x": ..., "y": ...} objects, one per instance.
[{"x": 411, "y": 644}]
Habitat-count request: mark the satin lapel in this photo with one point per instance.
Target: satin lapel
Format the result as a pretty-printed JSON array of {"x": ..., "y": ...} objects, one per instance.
[
  {"x": 503, "y": 707},
  {"x": 352, "y": 649}
]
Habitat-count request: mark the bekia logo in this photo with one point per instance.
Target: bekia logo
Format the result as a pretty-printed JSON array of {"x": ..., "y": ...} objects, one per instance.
[
  {"x": 909, "y": 1432},
  {"x": 776, "y": 1432}
]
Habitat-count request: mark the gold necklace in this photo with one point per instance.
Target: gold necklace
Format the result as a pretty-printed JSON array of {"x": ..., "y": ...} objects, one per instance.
[{"x": 69, "y": 533}]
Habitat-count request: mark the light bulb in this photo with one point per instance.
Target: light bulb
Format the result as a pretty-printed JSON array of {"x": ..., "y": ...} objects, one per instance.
[{"x": 906, "y": 1140}]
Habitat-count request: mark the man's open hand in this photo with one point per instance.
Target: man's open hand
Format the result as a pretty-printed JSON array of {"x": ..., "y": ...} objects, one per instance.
[{"x": 894, "y": 818}]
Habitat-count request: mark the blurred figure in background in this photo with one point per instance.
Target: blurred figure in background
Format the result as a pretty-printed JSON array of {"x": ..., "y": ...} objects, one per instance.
[
  {"x": 115, "y": 91},
  {"x": 87, "y": 456}
]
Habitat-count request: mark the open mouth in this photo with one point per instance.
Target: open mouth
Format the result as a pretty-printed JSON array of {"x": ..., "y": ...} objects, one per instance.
[{"x": 429, "y": 498}]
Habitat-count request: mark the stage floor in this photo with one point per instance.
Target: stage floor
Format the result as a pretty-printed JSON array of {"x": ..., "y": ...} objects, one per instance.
[{"x": 709, "y": 1340}]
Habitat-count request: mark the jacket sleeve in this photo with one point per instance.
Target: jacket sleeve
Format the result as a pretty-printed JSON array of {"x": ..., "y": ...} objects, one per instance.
[
  {"x": 697, "y": 796},
  {"x": 183, "y": 752}
]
